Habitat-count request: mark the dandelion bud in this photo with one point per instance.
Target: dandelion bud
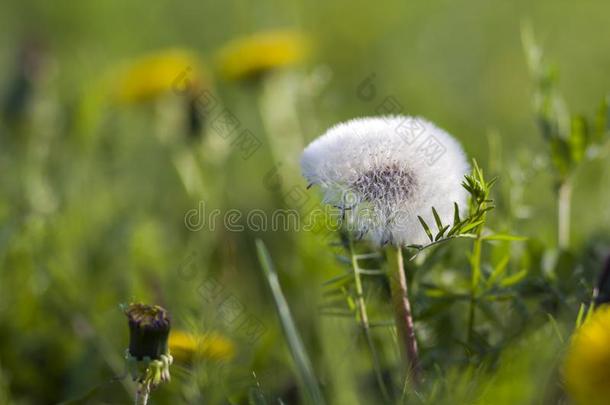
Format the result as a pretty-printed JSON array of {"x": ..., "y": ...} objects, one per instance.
[
  {"x": 148, "y": 331},
  {"x": 148, "y": 356}
]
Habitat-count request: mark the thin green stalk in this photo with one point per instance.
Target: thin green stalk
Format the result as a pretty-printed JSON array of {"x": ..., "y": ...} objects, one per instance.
[
  {"x": 282, "y": 127},
  {"x": 402, "y": 312},
  {"x": 564, "y": 198},
  {"x": 364, "y": 321},
  {"x": 475, "y": 277}
]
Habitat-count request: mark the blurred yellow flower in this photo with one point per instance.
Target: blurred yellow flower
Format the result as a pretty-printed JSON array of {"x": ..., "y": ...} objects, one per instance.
[
  {"x": 157, "y": 74},
  {"x": 256, "y": 54},
  {"x": 186, "y": 347},
  {"x": 587, "y": 363}
]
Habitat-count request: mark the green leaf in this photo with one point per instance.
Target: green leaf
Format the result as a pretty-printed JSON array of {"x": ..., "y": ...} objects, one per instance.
[
  {"x": 578, "y": 139},
  {"x": 455, "y": 229},
  {"x": 475, "y": 168},
  {"x": 581, "y": 315},
  {"x": 514, "y": 279},
  {"x": 471, "y": 226},
  {"x": 560, "y": 155},
  {"x": 456, "y": 214},
  {"x": 342, "y": 259},
  {"x": 441, "y": 233},
  {"x": 426, "y": 228},
  {"x": 506, "y": 237},
  {"x": 339, "y": 291},
  {"x": 341, "y": 278},
  {"x": 498, "y": 271},
  {"x": 436, "y": 293},
  {"x": 589, "y": 312},
  {"x": 437, "y": 219},
  {"x": 468, "y": 188},
  {"x": 486, "y": 209},
  {"x": 491, "y": 182}
]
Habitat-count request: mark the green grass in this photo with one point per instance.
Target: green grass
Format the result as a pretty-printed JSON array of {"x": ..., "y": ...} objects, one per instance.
[{"x": 93, "y": 198}]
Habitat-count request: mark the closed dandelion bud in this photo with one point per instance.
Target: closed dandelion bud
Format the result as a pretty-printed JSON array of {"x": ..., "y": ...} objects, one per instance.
[
  {"x": 148, "y": 356},
  {"x": 149, "y": 327}
]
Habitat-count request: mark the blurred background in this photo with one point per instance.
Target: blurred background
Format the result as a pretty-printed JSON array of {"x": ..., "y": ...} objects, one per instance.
[{"x": 109, "y": 172}]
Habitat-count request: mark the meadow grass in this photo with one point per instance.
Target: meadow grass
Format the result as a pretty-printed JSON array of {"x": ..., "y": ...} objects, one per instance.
[{"x": 144, "y": 160}]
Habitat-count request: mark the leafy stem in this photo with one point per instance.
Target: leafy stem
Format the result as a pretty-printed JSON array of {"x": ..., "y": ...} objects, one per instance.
[
  {"x": 421, "y": 248},
  {"x": 470, "y": 227},
  {"x": 480, "y": 204},
  {"x": 364, "y": 319},
  {"x": 571, "y": 138},
  {"x": 475, "y": 274}
]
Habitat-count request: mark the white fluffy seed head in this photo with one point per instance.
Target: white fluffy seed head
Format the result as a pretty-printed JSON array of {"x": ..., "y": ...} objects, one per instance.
[{"x": 386, "y": 171}]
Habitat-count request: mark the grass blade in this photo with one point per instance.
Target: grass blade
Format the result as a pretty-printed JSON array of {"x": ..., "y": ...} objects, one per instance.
[{"x": 297, "y": 350}]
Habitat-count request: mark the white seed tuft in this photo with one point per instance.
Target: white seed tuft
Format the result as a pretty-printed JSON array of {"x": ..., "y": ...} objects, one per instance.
[{"x": 386, "y": 171}]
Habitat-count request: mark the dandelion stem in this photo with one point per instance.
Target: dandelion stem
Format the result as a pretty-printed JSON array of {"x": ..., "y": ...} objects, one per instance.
[
  {"x": 364, "y": 321},
  {"x": 402, "y": 312},
  {"x": 564, "y": 197},
  {"x": 142, "y": 394}
]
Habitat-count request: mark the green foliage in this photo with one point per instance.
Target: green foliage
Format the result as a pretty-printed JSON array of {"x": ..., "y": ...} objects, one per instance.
[
  {"x": 480, "y": 204},
  {"x": 571, "y": 138},
  {"x": 93, "y": 197}
]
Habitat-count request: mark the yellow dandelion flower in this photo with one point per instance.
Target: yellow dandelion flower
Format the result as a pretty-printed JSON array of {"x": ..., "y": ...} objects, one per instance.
[
  {"x": 157, "y": 74},
  {"x": 256, "y": 54},
  {"x": 186, "y": 347},
  {"x": 587, "y": 364}
]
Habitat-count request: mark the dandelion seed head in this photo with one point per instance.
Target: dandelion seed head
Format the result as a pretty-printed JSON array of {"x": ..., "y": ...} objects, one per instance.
[{"x": 387, "y": 171}]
